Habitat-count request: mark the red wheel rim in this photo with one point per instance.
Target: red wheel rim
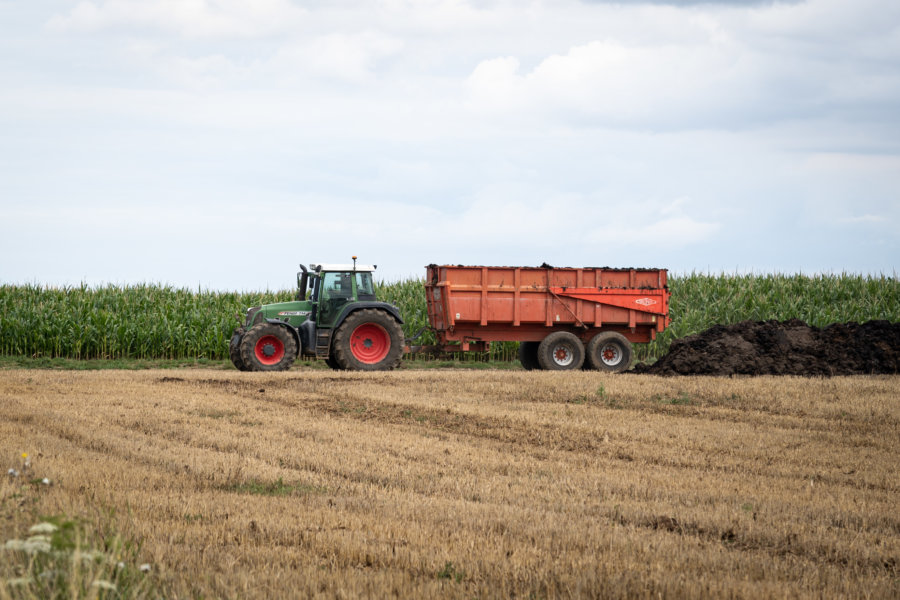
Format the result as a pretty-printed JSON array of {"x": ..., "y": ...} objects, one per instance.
[
  {"x": 562, "y": 356},
  {"x": 269, "y": 350},
  {"x": 370, "y": 343},
  {"x": 610, "y": 354}
]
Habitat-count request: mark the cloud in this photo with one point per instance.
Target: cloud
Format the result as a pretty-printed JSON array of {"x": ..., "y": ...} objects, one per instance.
[
  {"x": 865, "y": 219},
  {"x": 618, "y": 85},
  {"x": 672, "y": 133},
  {"x": 189, "y": 18},
  {"x": 741, "y": 3},
  {"x": 702, "y": 70},
  {"x": 341, "y": 57}
]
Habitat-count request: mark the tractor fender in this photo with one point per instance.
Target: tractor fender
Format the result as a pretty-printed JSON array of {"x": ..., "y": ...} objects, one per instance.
[
  {"x": 293, "y": 331},
  {"x": 355, "y": 306}
]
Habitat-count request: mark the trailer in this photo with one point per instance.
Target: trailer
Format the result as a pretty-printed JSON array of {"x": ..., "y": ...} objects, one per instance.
[{"x": 563, "y": 318}]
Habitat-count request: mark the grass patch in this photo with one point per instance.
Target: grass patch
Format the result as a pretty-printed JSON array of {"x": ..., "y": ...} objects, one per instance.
[
  {"x": 439, "y": 363},
  {"x": 273, "y": 488},
  {"x": 140, "y": 364},
  {"x": 217, "y": 414},
  {"x": 449, "y": 571},
  {"x": 98, "y": 364},
  {"x": 682, "y": 399}
]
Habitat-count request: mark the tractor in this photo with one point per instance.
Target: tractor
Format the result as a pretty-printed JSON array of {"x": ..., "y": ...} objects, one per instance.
[{"x": 335, "y": 316}]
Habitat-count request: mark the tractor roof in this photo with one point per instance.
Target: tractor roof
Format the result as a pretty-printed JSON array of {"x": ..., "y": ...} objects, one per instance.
[{"x": 336, "y": 267}]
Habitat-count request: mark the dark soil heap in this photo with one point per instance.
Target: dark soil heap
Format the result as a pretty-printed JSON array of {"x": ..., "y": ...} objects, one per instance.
[{"x": 784, "y": 348}]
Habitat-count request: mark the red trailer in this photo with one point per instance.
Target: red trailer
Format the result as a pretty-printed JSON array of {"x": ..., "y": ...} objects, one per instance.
[{"x": 563, "y": 317}]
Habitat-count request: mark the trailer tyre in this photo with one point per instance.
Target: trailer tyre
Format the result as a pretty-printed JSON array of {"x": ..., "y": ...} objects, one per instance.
[
  {"x": 268, "y": 347},
  {"x": 528, "y": 355},
  {"x": 234, "y": 349},
  {"x": 609, "y": 351},
  {"x": 561, "y": 351},
  {"x": 368, "y": 340}
]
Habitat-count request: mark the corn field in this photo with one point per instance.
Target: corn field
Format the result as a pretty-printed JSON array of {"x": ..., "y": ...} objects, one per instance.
[{"x": 150, "y": 321}]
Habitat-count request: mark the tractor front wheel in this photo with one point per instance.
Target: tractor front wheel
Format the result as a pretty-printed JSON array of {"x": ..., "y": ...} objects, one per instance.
[
  {"x": 267, "y": 347},
  {"x": 234, "y": 349},
  {"x": 368, "y": 340}
]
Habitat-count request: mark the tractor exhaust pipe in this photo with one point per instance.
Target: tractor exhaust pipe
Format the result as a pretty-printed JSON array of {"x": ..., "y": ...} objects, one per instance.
[{"x": 302, "y": 280}]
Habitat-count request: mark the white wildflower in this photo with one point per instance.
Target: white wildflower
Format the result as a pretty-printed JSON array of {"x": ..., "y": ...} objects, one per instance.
[
  {"x": 43, "y": 528},
  {"x": 120, "y": 565},
  {"x": 104, "y": 585},
  {"x": 12, "y": 473},
  {"x": 39, "y": 538},
  {"x": 14, "y": 545},
  {"x": 45, "y": 481},
  {"x": 93, "y": 556},
  {"x": 51, "y": 574},
  {"x": 145, "y": 567},
  {"x": 38, "y": 543}
]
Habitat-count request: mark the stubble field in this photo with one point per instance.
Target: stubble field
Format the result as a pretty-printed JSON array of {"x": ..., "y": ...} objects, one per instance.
[{"x": 470, "y": 483}]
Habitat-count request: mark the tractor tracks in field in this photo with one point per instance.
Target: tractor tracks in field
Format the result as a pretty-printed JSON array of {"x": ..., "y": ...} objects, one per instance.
[{"x": 352, "y": 399}]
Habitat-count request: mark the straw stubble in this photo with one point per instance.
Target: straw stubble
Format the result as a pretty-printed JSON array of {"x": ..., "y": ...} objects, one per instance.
[{"x": 475, "y": 484}]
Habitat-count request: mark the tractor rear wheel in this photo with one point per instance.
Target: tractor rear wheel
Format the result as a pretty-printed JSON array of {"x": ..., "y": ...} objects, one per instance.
[
  {"x": 267, "y": 347},
  {"x": 368, "y": 340},
  {"x": 561, "y": 351},
  {"x": 609, "y": 351},
  {"x": 234, "y": 349},
  {"x": 528, "y": 355}
]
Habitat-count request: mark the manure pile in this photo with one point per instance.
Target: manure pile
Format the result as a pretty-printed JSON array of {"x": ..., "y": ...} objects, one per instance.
[{"x": 784, "y": 348}]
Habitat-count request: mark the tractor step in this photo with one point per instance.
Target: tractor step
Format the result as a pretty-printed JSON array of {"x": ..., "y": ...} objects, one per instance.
[{"x": 323, "y": 342}]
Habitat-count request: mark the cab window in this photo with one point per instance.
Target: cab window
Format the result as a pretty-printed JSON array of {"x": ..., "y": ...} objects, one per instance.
[
  {"x": 364, "y": 288},
  {"x": 337, "y": 285}
]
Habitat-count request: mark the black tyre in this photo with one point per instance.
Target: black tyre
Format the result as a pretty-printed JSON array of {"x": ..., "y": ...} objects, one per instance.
[
  {"x": 267, "y": 347},
  {"x": 609, "y": 351},
  {"x": 368, "y": 340},
  {"x": 234, "y": 349},
  {"x": 333, "y": 363},
  {"x": 561, "y": 351},
  {"x": 528, "y": 355}
]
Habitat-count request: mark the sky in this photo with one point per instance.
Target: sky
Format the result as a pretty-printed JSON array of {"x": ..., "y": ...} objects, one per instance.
[{"x": 217, "y": 144}]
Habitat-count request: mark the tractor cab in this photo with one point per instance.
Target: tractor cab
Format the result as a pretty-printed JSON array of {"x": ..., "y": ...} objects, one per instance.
[
  {"x": 335, "y": 316},
  {"x": 336, "y": 286}
]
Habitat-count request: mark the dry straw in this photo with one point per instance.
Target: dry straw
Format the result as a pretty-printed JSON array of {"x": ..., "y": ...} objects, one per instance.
[{"x": 476, "y": 484}]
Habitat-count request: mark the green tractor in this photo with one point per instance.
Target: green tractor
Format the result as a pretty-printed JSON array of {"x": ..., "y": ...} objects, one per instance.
[{"x": 338, "y": 320}]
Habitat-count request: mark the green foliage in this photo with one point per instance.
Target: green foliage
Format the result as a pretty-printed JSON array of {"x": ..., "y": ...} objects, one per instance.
[
  {"x": 148, "y": 321},
  {"x": 681, "y": 399},
  {"x": 140, "y": 321},
  {"x": 273, "y": 488},
  {"x": 64, "y": 558},
  {"x": 449, "y": 571}
]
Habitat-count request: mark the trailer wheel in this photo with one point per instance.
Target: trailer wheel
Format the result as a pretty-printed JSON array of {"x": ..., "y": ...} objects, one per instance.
[
  {"x": 368, "y": 340},
  {"x": 609, "y": 351},
  {"x": 234, "y": 349},
  {"x": 267, "y": 347},
  {"x": 528, "y": 355},
  {"x": 561, "y": 351}
]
